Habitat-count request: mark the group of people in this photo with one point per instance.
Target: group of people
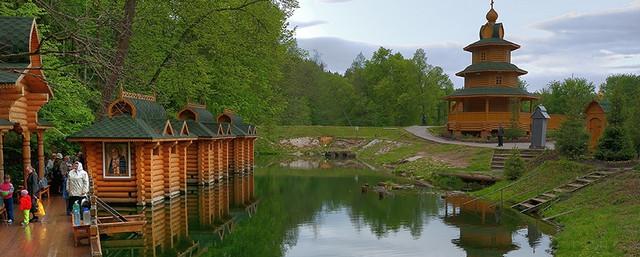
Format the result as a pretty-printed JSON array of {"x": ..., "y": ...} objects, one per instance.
[{"x": 67, "y": 177}]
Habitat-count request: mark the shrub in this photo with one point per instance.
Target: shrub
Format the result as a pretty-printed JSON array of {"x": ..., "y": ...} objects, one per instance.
[
  {"x": 449, "y": 182},
  {"x": 615, "y": 145},
  {"x": 513, "y": 133},
  {"x": 572, "y": 140},
  {"x": 514, "y": 167}
]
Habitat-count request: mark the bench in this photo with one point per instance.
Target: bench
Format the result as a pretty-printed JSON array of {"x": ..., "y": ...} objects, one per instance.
[
  {"x": 80, "y": 232},
  {"x": 43, "y": 191}
]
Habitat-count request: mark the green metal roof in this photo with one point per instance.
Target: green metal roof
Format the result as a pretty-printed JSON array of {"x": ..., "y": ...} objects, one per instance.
[
  {"x": 126, "y": 127},
  {"x": 14, "y": 39},
  {"x": 480, "y": 91},
  {"x": 10, "y": 72},
  {"x": 492, "y": 42},
  {"x": 201, "y": 129},
  {"x": 5, "y": 123},
  {"x": 148, "y": 110},
  {"x": 491, "y": 66},
  {"x": 204, "y": 115}
]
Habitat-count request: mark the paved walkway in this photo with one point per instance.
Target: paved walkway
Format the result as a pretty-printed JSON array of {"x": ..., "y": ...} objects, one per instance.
[{"x": 422, "y": 132}]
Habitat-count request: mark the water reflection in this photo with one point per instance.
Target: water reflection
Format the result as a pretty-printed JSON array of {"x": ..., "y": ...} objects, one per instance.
[{"x": 321, "y": 212}]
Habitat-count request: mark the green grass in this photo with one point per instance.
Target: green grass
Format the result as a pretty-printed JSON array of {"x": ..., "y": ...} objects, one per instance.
[
  {"x": 605, "y": 220},
  {"x": 547, "y": 176},
  {"x": 336, "y": 131}
]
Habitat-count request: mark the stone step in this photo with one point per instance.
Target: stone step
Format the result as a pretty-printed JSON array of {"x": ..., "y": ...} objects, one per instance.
[
  {"x": 549, "y": 195},
  {"x": 575, "y": 185}
]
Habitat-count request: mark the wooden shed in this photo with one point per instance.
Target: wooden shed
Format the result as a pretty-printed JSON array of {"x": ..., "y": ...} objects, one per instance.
[
  {"x": 241, "y": 149},
  {"x": 596, "y": 121},
  {"x": 23, "y": 88},
  {"x": 207, "y": 161},
  {"x": 135, "y": 154}
]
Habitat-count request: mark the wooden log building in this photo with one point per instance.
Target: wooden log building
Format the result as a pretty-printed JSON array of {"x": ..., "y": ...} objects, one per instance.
[
  {"x": 23, "y": 88},
  {"x": 491, "y": 96},
  {"x": 138, "y": 155}
]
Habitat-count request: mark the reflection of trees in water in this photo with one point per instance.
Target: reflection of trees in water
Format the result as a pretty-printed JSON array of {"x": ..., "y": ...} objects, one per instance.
[{"x": 302, "y": 198}]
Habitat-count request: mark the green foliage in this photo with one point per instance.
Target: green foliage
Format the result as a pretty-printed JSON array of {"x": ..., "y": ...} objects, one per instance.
[
  {"x": 615, "y": 145},
  {"x": 572, "y": 140},
  {"x": 625, "y": 89},
  {"x": 568, "y": 97},
  {"x": 448, "y": 182},
  {"x": 514, "y": 167},
  {"x": 514, "y": 132}
]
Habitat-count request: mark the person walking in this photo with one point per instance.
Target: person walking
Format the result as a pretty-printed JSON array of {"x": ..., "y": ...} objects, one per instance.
[
  {"x": 6, "y": 189},
  {"x": 77, "y": 185},
  {"x": 33, "y": 187},
  {"x": 500, "y": 136}
]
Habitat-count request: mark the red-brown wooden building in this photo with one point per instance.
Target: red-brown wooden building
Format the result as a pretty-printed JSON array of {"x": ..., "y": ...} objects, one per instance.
[
  {"x": 491, "y": 96},
  {"x": 23, "y": 88},
  {"x": 138, "y": 155}
]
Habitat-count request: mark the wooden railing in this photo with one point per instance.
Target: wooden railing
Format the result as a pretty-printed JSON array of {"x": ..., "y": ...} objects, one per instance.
[{"x": 486, "y": 121}]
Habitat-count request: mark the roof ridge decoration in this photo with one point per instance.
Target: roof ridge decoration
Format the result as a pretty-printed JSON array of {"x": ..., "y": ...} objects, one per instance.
[
  {"x": 195, "y": 105},
  {"x": 124, "y": 94}
]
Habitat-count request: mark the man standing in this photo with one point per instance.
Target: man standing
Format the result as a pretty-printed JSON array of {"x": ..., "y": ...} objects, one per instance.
[{"x": 500, "y": 136}]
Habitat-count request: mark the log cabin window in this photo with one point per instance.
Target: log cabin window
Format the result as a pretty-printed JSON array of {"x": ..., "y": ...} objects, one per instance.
[
  {"x": 483, "y": 56},
  {"x": 174, "y": 149},
  {"x": 498, "y": 80},
  {"x": 156, "y": 151},
  {"x": 121, "y": 108}
]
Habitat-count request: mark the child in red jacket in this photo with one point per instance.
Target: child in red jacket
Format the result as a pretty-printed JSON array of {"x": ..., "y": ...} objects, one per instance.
[{"x": 25, "y": 206}]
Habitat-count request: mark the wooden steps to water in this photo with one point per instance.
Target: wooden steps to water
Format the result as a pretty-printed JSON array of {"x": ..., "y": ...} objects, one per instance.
[
  {"x": 500, "y": 156},
  {"x": 533, "y": 204}
]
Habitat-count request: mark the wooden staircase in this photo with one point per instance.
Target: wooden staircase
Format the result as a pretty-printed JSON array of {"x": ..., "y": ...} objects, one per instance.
[
  {"x": 500, "y": 156},
  {"x": 535, "y": 203}
]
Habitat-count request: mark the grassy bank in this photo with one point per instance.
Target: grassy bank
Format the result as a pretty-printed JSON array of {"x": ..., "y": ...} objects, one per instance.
[
  {"x": 600, "y": 220},
  {"x": 391, "y": 148}
]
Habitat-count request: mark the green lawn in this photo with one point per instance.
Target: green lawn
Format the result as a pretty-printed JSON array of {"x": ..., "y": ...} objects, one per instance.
[
  {"x": 605, "y": 220},
  {"x": 545, "y": 177}
]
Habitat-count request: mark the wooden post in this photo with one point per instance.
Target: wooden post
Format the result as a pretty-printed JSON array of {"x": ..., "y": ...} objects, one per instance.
[
  {"x": 40, "y": 153},
  {"x": 1, "y": 154},
  {"x": 26, "y": 155}
]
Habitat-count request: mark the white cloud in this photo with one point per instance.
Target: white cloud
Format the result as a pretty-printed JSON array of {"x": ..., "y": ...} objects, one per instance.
[{"x": 592, "y": 45}]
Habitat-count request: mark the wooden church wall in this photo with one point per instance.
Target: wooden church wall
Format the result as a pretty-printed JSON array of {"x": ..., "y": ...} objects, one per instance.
[{"x": 193, "y": 175}]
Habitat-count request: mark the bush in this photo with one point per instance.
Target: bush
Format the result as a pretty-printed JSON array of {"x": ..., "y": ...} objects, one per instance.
[
  {"x": 514, "y": 133},
  {"x": 572, "y": 140},
  {"x": 514, "y": 167},
  {"x": 449, "y": 182},
  {"x": 615, "y": 145}
]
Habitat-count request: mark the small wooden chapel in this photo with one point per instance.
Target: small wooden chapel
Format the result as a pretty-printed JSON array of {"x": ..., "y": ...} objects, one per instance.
[
  {"x": 491, "y": 96},
  {"x": 137, "y": 155},
  {"x": 23, "y": 88}
]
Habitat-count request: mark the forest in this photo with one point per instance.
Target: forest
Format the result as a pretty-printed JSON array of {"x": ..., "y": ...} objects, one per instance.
[{"x": 242, "y": 55}]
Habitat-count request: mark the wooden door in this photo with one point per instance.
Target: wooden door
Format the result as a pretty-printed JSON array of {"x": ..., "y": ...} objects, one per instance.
[{"x": 595, "y": 130}]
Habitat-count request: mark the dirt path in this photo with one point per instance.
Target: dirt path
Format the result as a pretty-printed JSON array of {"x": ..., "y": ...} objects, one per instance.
[{"x": 422, "y": 132}]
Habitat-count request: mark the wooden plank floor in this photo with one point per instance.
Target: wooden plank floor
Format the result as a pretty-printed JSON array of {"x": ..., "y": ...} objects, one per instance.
[{"x": 51, "y": 237}]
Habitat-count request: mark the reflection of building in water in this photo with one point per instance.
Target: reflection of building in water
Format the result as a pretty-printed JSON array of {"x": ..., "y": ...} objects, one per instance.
[
  {"x": 483, "y": 232},
  {"x": 166, "y": 230},
  {"x": 243, "y": 190},
  {"x": 533, "y": 235}
]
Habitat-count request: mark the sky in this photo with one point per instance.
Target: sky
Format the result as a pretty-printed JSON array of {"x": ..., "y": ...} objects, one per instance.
[{"x": 591, "y": 39}]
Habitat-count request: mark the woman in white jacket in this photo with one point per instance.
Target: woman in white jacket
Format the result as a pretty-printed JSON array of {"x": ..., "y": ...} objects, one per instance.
[{"x": 77, "y": 185}]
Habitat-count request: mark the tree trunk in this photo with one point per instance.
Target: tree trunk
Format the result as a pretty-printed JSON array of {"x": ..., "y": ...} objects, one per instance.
[{"x": 124, "y": 37}]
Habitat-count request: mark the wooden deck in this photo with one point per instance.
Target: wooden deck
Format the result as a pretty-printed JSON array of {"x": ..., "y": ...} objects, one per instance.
[{"x": 51, "y": 237}]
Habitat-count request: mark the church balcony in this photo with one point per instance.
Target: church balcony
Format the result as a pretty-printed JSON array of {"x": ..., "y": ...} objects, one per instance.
[{"x": 486, "y": 121}]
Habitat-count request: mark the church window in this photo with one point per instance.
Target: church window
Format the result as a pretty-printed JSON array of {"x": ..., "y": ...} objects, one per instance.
[
  {"x": 483, "y": 56},
  {"x": 498, "y": 80}
]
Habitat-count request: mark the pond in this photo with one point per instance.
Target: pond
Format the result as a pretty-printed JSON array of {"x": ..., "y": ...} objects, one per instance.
[{"x": 319, "y": 210}]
